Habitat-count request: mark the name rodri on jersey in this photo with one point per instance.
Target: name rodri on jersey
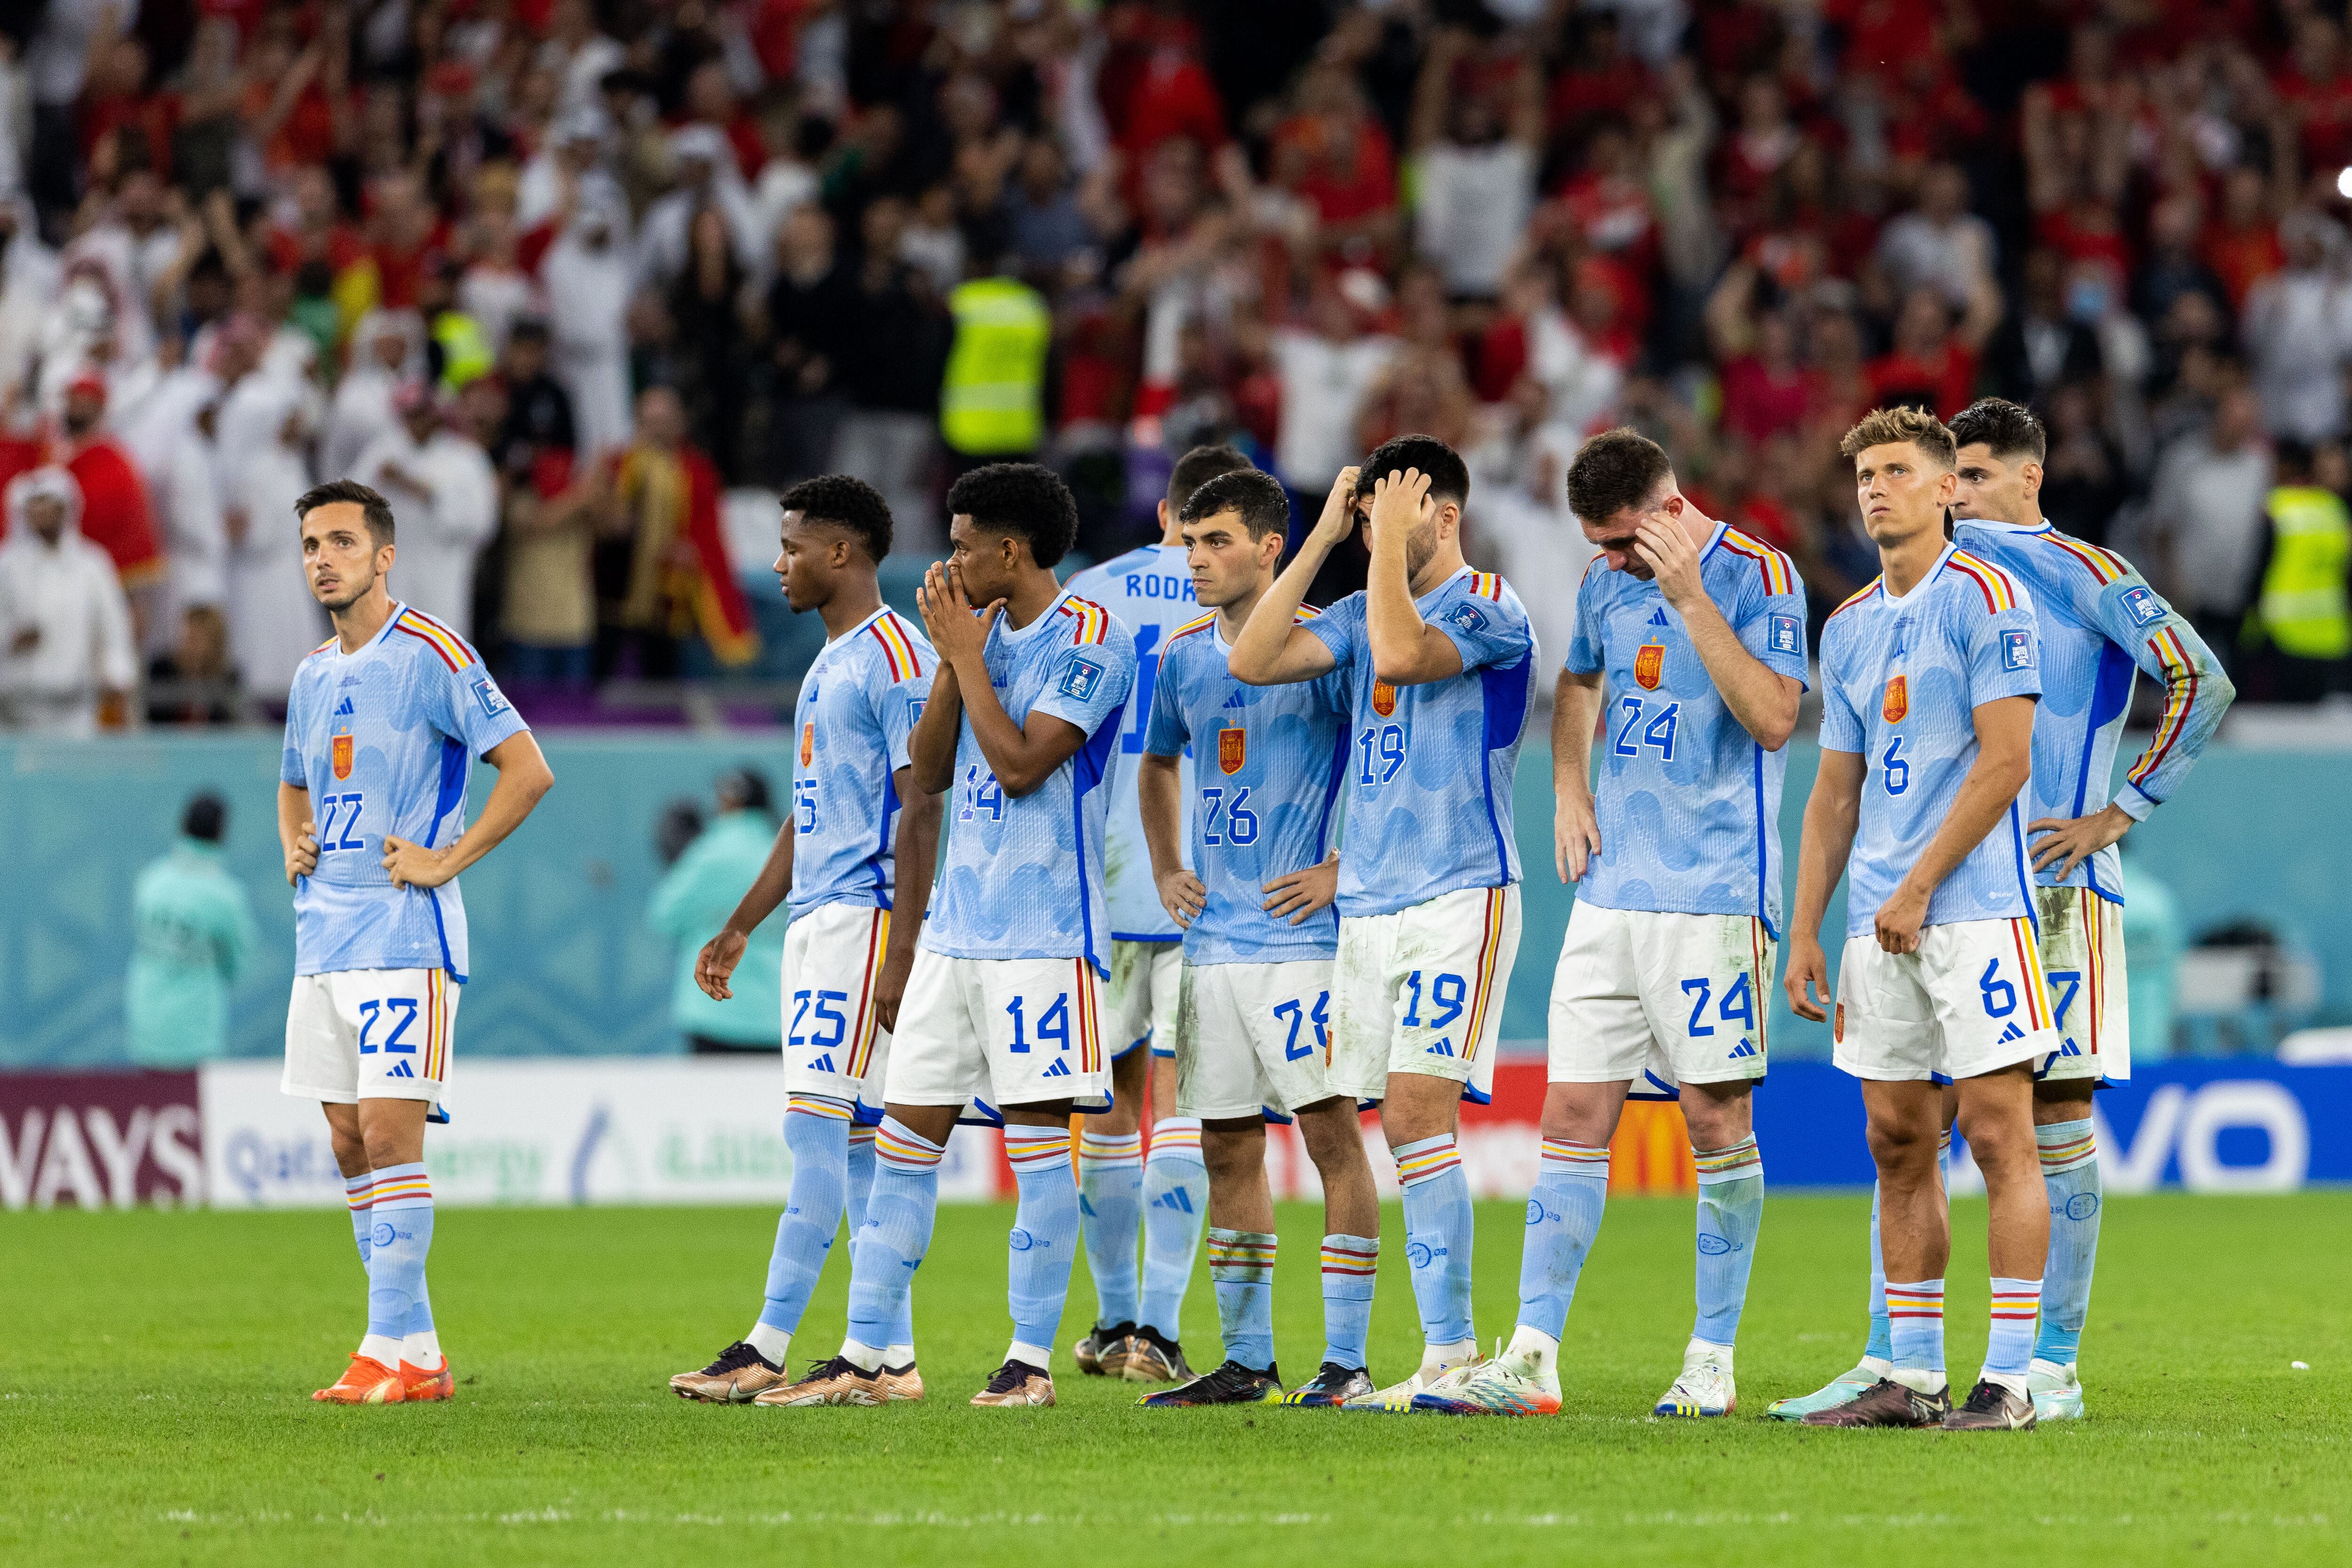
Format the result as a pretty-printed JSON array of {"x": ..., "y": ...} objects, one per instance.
[
  {"x": 857, "y": 707},
  {"x": 385, "y": 739}
]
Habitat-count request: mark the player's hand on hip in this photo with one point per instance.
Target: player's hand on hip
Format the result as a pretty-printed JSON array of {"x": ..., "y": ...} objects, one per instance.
[
  {"x": 890, "y": 986},
  {"x": 412, "y": 865},
  {"x": 1182, "y": 895},
  {"x": 1900, "y": 917},
  {"x": 1338, "y": 518},
  {"x": 1660, "y": 542},
  {"x": 1575, "y": 836},
  {"x": 303, "y": 859},
  {"x": 1305, "y": 892},
  {"x": 1809, "y": 968},
  {"x": 716, "y": 962},
  {"x": 2074, "y": 839}
]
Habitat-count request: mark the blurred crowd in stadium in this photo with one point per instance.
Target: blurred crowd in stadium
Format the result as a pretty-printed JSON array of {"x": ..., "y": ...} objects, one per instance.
[{"x": 556, "y": 274}]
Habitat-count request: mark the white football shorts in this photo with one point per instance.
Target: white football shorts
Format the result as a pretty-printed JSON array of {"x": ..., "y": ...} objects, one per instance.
[
  {"x": 834, "y": 1045},
  {"x": 1140, "y": 1000},
  {"x": 1252, "y": 1036},
  {"x": 999, "y": 1031},
  {"x": 2090, "y": 1000},
  {"x": 1660, "y": 1000},
  {"x": 369, "y": 1034},
  {"x": 1422, "y": 990},
  {"x": 1970, "y": 1001}
]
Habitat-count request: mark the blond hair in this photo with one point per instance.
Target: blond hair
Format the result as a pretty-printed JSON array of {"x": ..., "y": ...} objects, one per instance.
[{"x": 1890, "y": 427}]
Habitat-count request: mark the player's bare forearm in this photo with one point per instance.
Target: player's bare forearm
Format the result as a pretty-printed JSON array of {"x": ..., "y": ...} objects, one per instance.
[
  {"x": 1273, "y": 649},
  {"x": 1022, "y": 756},
  {"x": 1406, "y": 649},
  {"x": 1576, "y": 832},
  {"x": 295, "y": 829},
  {"x": 931, "y": 744},
  {"x": 1762, "y": 699},
  {"x": 1160, "y": 795},
  {"x": 919, "y": 851},
  {"x": 524, "y": 778},
  {"x": 1832, "y": 814},
  {"x": 2004, "y": 761},
  {"x": 770, "y": 887}
]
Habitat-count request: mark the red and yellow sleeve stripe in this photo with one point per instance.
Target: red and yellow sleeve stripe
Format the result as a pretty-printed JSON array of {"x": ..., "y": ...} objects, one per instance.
[
  {"x": 438, "y": 637},
  {"x": 1779, "y": 576},
  {"x": 1853, "y": 600},
  {"x": 2104, "y": 567},
  {"x": 1487, "y": 585},
  {"x": 1999, "y": 592},
  {"x": 1094, "y": 621},
  {"x": 898, "y": 652},
  {"x": 2180, "y": 697}
]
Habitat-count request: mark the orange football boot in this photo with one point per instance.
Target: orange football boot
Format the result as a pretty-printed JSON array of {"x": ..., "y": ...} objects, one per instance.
[
  {"x": 366, "y": 1381},
  {"x": 416, "y": 1384}
]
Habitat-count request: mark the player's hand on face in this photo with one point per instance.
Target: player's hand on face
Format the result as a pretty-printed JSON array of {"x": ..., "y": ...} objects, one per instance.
[
  {"x": 303, "y": 859},
  {"x": 412, "y": 865},
  {"x": 716, "y": 962},
  {"x": 948, "y": 615},
  {"x": 1182, "y": 895},
  {"x": 890, "y": 986},
  {"x": 1659, "y": 540},
  {"x": 1575, "y": 836},
  {"x": 1396, "y": 502},
  {"x": 1303, "y": 893},
  {"x": 1900, "y": 917},
  {"x": 1338, "y": 518},
  {"x": 1809, "y": 969},
  {"x": 2074, "y": 839}
]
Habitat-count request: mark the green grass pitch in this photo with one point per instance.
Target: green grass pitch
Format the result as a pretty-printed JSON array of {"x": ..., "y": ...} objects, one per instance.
[{"x": 154, "y": 1370}]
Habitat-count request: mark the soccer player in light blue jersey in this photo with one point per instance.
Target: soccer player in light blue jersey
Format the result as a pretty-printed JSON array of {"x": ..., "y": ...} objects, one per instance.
[
  {"x": 1252, "y": 891},
  {"x": 1138, "y": 1333},
  {"x": 1001, "y": 1011},
  {"x": 1689, "y": 654},
  {"x": 383, "y": 726},
  {"x": 1441, "y": 670},
  {"x": 2101, "y": 626},
  {"x": 854, "y": 858},
  {"x": 1929, "y": 677}
]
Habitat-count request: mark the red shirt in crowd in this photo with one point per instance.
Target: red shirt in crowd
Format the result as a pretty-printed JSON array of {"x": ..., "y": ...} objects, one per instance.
[
  {"x": 115, "y": 515},
  {"x": 1947, "y": 377},
  {"x": 1760, "y": 402}
]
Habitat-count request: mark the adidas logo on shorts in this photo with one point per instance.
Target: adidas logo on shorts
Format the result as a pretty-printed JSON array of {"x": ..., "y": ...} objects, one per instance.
[
  {"x": 1060, "y": 1069},
  {"x": 2012, "y": 1033},
  {"x": 823, "y": 1063},
  {"x": 1745, "y": 1047},
  {"x": 1443, "y": 1048}
]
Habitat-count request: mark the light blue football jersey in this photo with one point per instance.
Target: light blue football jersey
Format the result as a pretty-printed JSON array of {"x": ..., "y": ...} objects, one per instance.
[
  {"x": 1271, "y": 761},
  {"x": 1688, "y": 805},
  {"x": 857, "y": 703},
  {"x": 385, "y": 739},
  {"x": 1430, "y": 766},
  {"x": 1023, "y": 876},
  {"x": 1901, "y": 681},
  {"x": 2101, "y": 624},
  {"x": 1151, "y": 592}
]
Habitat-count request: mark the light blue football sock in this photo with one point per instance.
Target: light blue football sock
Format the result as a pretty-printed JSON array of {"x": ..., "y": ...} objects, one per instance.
[
  {"x": 1914, "y": 1310},
  {"x": 1241, "y": 1267},
  {"x": 1175, "y": 1205},
  {"x": 1350, "y": 1269},
  {"x": 1730, "y": 1212},
  {"x": 2008, "y": 1346},
  {"x": 2070, "y": 1168},
  {"x": 889, "y": 1245},
  {"x": 399, "y": 1243},
  {"x": 359, "y": 1193},
  {"x": 1045, "y": 1239},
  {"x": 816, "y": 1131},
  {"x": 1564, "y": 1212},
  {"x": 1438, "y": 1232},
  {"x": 1110, "y": 1209},
  {"x": 861, "y": 1190}
]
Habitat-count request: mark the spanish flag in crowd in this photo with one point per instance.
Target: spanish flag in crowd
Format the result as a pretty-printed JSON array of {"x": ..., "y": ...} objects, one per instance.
[{"x": 679, "y": 581}]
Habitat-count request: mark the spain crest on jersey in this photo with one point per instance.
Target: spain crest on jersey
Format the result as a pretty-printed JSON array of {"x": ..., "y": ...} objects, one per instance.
[
  {"x": 1897, "y": 702},
  {"x": 1650, "y": 666},
  {"x": 808, "y": 743},
  {"x": 1232, "y": 750},
  {"x": 342, "y": 756},
  {"x": 1383, "y": 699}
]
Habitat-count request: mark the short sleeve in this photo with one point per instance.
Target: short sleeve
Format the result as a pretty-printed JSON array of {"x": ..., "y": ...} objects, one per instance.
[
  {"x": 896, "y": 708},
  {"x": 1165, "y": 733},
  {"x": 292, "y": 768},
  {"x": 1486, "y": 632},
  {"x": 1773, "y": 630},
  {"x": 1585, "y": 655},
  {"x": 2002, "y": 648},
  {"x": 1340, "y": 628},
  {"x": 1087, "y": 682},
  {"x": 466, "y": 703},
  {"x": 1842, "y": 728}
]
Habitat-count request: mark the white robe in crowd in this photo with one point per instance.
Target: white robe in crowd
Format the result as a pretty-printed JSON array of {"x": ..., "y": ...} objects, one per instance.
[
  {"x": 438, "y": 538},
  {"x": 362, "y": 407},
  {"x": 68, "y": 593},
  {"x": 589, "y": 354},
  {"x": 273, "y": 621},
  {"x": 176, "y": 460}
]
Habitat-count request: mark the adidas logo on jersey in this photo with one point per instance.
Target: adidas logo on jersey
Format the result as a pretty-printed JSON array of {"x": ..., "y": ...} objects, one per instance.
[
  {"x": 1443, "y": 1047},
  {"x": 1173, "y": 1198},
  {"x": 823, "y": 1063},
  {"x": 1745, "y": 1047},
  {"x": 2070, "y": 1048},
  {"x": 1658, "y": 617},
  {"x": 1235, "y": 699},
  {"x": 1061, "y": 1069},
  {"x": 2012, "y": 1033},
  {"x": 346, "y": 710}
]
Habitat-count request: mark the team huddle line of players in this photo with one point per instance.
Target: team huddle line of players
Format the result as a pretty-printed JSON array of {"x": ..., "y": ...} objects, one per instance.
[{"x": 1217, "y": 852}]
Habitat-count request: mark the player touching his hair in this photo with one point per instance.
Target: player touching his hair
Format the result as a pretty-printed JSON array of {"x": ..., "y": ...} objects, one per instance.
[
  {"x": 2101, "y": 625},
  {"x": 1690, "y": 638},
  {"x": 382, "y": 727},
  {"x": 854, "y": 858},
  {"x": 1929, "y": 677},
  {"x": 1253, "y": 1009},
  {"x": 1440, "y": 663}
]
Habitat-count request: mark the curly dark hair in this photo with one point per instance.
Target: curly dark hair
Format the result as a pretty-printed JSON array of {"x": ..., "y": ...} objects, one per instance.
[
  {"x": 1449, "y": 475},
  {"x": 1613, "y": 470},
  {"x": 846, "y": 503},
  {"x": 1028, "y": 501},
  {"x": 374, "y": 508},
  {"x": 1263, "y": 506},
  {"x": 2006, "y": 428}
]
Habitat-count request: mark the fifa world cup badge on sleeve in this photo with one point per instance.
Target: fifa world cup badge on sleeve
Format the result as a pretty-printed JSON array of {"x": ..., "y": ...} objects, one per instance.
[
  {"x": 1898, "y": 701},
  {"x": 1383, "y": 699},
  {"x": 342, "y": 756},
  {"x": 493, "y": 700},
  {"x": 1078, "y": 682},
  {"x": 2017, "y": 650},
  {"x": 1232, "y": 750},
  {"x": 1784, "y": 633},
  {"x": 1650, "y": 666},
  {"x": 2145, "y": 607}
]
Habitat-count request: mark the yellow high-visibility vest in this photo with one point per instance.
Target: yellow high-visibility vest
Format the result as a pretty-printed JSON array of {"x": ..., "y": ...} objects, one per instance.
[
  {"x": 992, "y": 398},
  {"x": 2302, "y": 606}
]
